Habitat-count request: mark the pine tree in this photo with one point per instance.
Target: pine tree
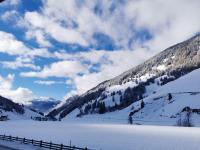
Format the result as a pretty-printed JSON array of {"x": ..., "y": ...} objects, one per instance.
[
  {"x": 142, "y": 104},
  {"x": 130, "y": 120},
  {"x": 113, "y": 98},
  {"x": 121, "y": 99},
  {"x": 102, "y": 108},
  {"x": 169, "y": 96}
]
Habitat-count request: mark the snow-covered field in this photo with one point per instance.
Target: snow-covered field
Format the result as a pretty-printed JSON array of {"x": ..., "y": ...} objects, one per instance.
[{"x": 106, "y": 136}]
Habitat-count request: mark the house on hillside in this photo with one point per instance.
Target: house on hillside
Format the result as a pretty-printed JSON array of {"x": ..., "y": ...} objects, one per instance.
[{"x": 3, "y": 118}]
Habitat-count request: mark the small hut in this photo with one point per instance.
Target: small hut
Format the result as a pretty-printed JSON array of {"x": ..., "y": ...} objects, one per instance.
[{"x": 3, "y": 118}]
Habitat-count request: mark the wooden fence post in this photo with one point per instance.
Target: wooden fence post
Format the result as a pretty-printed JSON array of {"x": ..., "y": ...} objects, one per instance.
[
  {"x": 41, "y": 143},
  {"x": 10, "y": 137},
  {"x": 23, "y": 140},
  {"x": 32, "y": 141},
  {"x": 61, "y": 146},
  {"x": 50, "y": 145}
]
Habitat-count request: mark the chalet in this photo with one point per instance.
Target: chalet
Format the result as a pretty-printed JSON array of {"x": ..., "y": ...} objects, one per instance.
[
  {"x": 44, "y": 119},
  {"x": 3, "y": 118}
]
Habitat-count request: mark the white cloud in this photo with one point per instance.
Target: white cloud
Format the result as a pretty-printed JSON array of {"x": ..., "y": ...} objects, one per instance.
[
  {"x": 10, "y": 45},
  {"x": 168, "y": 22},
  {"x": 13, "y": 2},
  {"x": 48, "y": 82},
  {"x": 39, "y": 36},
  {"x": 70, "y": 94},
  {"x": 10, "y": 15},
  {"x": 58, "y": 69},
  {"x": 45, "y": 24},
  {"x": 10, "y": 3},
  {"x": 76, "y": 22},
  {"x": 19, "y": 95},
  {"x": 176, "y": 21},
  {"x": 20, "y": 62}
]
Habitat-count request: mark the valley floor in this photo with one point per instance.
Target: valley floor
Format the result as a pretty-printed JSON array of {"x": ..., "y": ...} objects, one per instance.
[{"x": 106, "y": 136}]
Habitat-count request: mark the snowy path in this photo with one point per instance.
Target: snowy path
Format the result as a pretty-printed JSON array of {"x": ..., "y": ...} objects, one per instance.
[
  {"x": 6, "y": 148},
  {"x": 106, "y": 136}
]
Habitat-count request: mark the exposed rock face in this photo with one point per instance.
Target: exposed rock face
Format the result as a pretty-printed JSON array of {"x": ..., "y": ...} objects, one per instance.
[{"x": 175, "y": 61}]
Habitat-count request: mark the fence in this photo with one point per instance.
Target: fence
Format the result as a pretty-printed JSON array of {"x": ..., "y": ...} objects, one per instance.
[{"x": 42, "y": 144}]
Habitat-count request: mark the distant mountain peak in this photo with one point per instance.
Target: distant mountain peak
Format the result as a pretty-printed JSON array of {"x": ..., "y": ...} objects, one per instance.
[{"x": 44, "y": 104}]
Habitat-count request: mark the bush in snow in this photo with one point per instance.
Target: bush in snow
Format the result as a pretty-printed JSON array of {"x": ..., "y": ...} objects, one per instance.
[
  {"x": 186, "y": 121},
  {"x": 169, "y": 96},
  {"x": 102, "y": 108}
]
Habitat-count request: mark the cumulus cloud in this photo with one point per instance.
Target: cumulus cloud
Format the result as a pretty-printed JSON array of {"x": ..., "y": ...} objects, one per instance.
[
  {"x": 19, "y": 95},
  {"x": 39, "y": 36},
  {"x": 41, "y": 23},
  {"x": 175, "y": 22},
  {"x": 77, "y": 22},
  {"x": 11, "y": 15},
  {"x": 138, "y": 29},
  {"x": 58, "y": 69},
  {"x": 9, "y": 3},
  {"x": 24, "y": 55},
  {"x": 10, "y": 45}
]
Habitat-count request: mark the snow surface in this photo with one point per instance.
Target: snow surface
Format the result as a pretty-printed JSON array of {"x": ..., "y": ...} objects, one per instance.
[
  {"x": 162, "y": 67},
  {"x": 19, "y": 146},
  {"x": 106, "y": 136},
  {"x": 16, "y": 116}
]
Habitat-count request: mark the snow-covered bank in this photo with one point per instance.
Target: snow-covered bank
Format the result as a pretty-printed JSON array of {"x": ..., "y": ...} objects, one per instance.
[
  {"x": 17, "y": 146},
  {"x": 106, "y": 136}
]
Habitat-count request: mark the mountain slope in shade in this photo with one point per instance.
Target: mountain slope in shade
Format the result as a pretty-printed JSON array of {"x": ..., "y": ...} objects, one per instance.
[{"x": 131, "y": 86}]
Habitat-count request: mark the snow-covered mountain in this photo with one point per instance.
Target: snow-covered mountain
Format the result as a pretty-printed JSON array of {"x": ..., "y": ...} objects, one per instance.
[
  {"x": 43, "y": 104},
  {"x": 14, "y": 111},
  {"x": 147, "y": 81}
]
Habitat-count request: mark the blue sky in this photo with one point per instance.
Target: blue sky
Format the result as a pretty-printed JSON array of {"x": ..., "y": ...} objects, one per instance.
[{"x": 59, "y": 48}]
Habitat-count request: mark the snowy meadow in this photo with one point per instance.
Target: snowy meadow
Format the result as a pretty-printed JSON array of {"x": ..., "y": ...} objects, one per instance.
[{"x": 106, "y": 136}]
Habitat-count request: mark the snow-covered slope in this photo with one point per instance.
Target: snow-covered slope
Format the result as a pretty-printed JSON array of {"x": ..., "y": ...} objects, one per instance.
[
  {"x": 137, "y": 83},
  {"x": 158, "y": 108},
  {"x": 14, "y": 111}
]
